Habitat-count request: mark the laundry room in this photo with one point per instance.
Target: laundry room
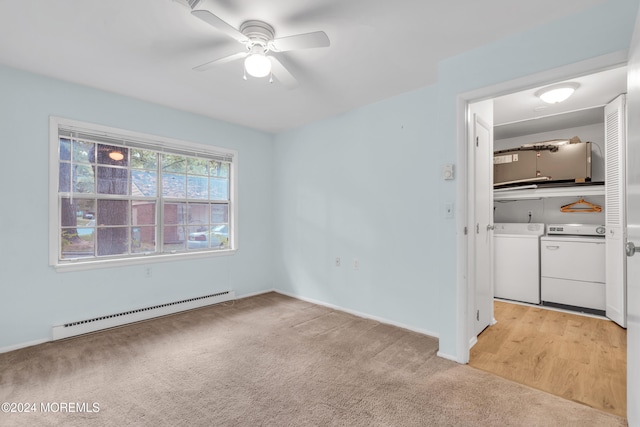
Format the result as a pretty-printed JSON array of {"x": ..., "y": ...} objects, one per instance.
[
  {"x": 551, "y": 240},
  {"x": 557, "y": 196}
]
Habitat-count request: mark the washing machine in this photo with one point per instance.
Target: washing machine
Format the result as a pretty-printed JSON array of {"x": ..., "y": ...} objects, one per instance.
[{"x": 516, "y": 259}]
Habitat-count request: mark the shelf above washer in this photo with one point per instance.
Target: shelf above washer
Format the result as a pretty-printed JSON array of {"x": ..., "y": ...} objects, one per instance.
[{"x": 538, "y": 193}]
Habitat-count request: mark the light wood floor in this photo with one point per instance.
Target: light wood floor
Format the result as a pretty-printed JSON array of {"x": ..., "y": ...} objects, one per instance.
[{"x": 576, "y": 357}]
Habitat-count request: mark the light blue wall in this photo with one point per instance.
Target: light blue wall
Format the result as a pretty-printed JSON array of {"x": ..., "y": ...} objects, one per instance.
[
  {"x": 33, "y": 297},
  {"x": 359, "y": 185},
  {"x": 363, "y": 185}
]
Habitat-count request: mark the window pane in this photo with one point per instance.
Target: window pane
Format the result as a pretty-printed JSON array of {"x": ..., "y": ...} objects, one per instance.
[
  {"x": 144, "y": 159},
  {"x": 174, "y": 185},
  {"x": 83, "y": 181},
  {"x": 113, "y": 240},
  {"x": 198, "y": 166},
  {"x": 173, "y": 163},
  {"x": 219, "y": 189},
  {"x": 86, "y": 233},
  {"x": 144, "y": 183},
  {"x": 75, "y": 246},
  {"x": 68, "y": 213},
  {"x": 219, "y": 213},
  {"x": 220, "y": 233},
  {"x": 143, "y": 239},
  {"x": 198, "y": 214},
  {"x": 113, "y": 155},
  {"x": 65, "y": 149},
  {"x": 197, "y": 187},
  {"x": 77, "y": 213},
  {"x": 210, "y": 238},
  {"x": 64, "y": 177},
  {"x": 174, "y": 238},
  {"x": 219, "y": 169},
  {"x": 175, "y": 213},
  {"x": 83, "y": 152},
  {"x": 86, "y": 211},
  {"x": 143, "y": 213},
  {"x": 198, "y": 238},
  {"x": 112, "y": 180},
  {"x": 113, "y": 212}
]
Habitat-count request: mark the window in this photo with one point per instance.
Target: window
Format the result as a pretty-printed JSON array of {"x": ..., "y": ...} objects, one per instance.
[{"x": 122, "y": 197}]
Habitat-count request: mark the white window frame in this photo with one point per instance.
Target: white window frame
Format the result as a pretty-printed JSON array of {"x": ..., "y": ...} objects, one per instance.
[{"x": 158, "y": 142}]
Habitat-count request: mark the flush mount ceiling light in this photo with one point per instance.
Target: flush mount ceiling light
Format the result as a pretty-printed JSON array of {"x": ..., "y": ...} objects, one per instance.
[{"x": 557, "y": 93}]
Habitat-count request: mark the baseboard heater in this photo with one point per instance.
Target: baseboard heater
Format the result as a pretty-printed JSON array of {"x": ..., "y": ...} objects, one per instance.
[{"x": 118, "y": 319}]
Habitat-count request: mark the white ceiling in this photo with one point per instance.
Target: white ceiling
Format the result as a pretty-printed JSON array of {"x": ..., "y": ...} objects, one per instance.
[{"x": 147, "y": 49}]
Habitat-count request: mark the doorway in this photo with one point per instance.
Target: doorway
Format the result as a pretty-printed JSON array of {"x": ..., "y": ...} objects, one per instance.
[{"x": 538, "y": 126}]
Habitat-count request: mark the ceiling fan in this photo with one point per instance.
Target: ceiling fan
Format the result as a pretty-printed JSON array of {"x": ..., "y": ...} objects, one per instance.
[{"x": 258, "y": 40}]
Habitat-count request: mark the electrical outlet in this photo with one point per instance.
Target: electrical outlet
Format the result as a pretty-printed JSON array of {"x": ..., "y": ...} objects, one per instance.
[
  {"x": 356, "y": 264},
  {"x": 337, "y": 261},
  {"x": 147, "y": 271}
]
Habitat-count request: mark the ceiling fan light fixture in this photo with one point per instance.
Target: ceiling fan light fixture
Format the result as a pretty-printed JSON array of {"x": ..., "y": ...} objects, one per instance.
[
  {"x": 557, "y": 93},
  {"x": 257, "y": 65}
]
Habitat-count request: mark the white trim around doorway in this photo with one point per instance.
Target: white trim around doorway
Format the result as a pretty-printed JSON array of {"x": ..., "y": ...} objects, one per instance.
[{"x": 463, "y": 285}]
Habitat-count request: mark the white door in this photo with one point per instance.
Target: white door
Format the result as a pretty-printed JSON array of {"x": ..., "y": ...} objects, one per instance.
[
  {"x": 482, "y": 225},
  {"x": 615, "y": 136},
  {"x": 633, "y": 231}
]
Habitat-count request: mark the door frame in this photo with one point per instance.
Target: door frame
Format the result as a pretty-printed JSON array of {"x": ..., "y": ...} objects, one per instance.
[{"x": 465, "y": 243}]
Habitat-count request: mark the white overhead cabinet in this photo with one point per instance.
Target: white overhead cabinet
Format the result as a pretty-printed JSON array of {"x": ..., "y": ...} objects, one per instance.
[{"x": 615, "y": 215}]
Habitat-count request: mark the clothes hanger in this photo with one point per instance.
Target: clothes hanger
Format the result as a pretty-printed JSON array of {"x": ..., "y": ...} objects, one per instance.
[{"x": 590, "y": 207}]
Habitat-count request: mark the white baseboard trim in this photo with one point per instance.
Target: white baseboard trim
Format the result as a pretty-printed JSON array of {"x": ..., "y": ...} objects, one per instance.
[
  {"x": 360, "y": 314},
  {"x": 255, "y": 294},
  {"x": 24, "y": 345},
  {"x": 473, "y": 341},
  {"x": 449, "y": 357}
]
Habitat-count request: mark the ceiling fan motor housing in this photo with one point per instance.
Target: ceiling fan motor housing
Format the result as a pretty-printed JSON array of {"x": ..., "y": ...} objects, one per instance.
[{"x": 258, "y": 32}]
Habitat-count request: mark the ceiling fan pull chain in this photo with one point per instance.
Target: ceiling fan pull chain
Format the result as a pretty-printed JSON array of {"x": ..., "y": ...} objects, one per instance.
[
  {"x": 244, "y": 73},
  {"x": 271, "y": 76}
]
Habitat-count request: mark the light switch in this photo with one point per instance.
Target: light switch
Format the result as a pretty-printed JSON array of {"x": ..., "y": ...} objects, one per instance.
[{"x": 447, "y": 172}]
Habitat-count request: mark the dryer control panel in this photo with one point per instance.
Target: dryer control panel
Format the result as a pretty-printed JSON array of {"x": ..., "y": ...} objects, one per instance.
[{"x": 577, "y": 229}]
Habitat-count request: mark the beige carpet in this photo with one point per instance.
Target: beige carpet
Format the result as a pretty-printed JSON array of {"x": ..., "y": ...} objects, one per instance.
[{"x": 268, "y": 360}]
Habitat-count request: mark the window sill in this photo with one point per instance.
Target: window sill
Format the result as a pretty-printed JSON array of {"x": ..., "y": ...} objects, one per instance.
[{"x": 141, "y": 260}]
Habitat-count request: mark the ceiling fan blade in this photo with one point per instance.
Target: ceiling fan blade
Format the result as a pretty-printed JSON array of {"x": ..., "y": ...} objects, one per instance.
[
  {"x": 301, "y": 41},
  {"x": 219, "y": 24},
  {"x": 223, "y": 60},
  {"x": 282, "y": 74}
]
